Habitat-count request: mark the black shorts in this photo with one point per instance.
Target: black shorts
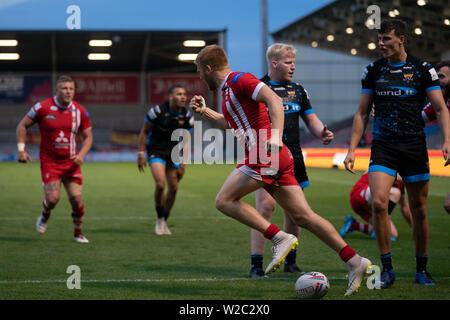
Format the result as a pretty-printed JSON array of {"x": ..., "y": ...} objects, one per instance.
[
  {"x": 407, "y": 157},
  {"x": 300, "y": 170},
  {"x": 161, "y": 156}
]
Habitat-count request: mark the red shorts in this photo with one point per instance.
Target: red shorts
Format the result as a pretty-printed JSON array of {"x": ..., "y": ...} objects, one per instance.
[
  {"x": 359, "y": 201},
  {"x": 279, "y": 172},
  {"x": 54, "y": 170}
]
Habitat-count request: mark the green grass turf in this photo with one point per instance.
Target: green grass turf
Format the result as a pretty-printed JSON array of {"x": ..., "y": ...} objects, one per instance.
[{"x": 208, "y": 255}]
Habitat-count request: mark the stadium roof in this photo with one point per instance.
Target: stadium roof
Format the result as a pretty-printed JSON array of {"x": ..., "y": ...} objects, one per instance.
[
  {"x": 130, "y": 51},
  {"x": 327, "y": 28}
]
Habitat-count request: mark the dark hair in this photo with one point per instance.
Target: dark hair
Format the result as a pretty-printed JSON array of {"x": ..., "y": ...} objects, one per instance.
[
  {"x": 399, "y": 27},
  {"x": 444, "y": 63},
  {"x": 175, "y": 86},
  {"x": 64, "y": 78}
]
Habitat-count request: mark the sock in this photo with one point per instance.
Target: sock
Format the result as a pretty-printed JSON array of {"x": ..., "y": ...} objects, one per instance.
[
  {"x": 77, "y": 217},
  {"x": 160, "y": 211},
  {"x": 166, "y": 214},
  {"x": 391, "y": 206},
  {"x": 421, "y": 262},
  {"x": 363, "y": 227},
  {"x": 45, "y": 210},
  {"x": 257, "y": 261},
  {"x": 291, "y": 257},
  {"x": 386, "y": 261},
  {"x": 347, "y": 253},
  {"x": 271, "y": 231}
]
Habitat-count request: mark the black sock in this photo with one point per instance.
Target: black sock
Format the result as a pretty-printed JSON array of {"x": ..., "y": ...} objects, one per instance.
[
  {"x": 160, "y": 211},
  {"x": 291, "y": 257},
  {"x": 257, "y": 261},
  {"x": 166, "y": 214},
  {"x": 386, "y": 261},
  {"x": 391, "y": 206},
  {"x": 421, "y": 262}
]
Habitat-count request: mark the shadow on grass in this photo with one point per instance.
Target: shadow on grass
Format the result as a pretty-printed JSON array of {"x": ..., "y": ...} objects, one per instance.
[
  {"x": 177, "y": 290},
  {"x": 118, "y": 231},
  {"x": 19, "y": 239},
  {"x": 186, "y": 271}
]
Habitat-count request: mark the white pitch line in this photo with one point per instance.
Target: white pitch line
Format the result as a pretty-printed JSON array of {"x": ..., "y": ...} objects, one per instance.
[
  {"x": 170, "y": 280},
  {"x": 134, "y": 280}
]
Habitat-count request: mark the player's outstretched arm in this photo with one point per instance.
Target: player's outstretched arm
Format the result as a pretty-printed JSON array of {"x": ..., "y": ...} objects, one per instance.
[
  {"x": 146, "y": 127},
  {"x": 443, "y": 118},
  {"x": 21, "y": 136},
  {"x": 198, "y": 105},
  {"x": 85, "y": 146},
  {"x": 359, "y": 126}
]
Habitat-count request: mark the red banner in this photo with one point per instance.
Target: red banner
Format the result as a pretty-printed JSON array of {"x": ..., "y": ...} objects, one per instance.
[
  {"x": 159, "y": 85},
  {"x": 107, "y": 89}
]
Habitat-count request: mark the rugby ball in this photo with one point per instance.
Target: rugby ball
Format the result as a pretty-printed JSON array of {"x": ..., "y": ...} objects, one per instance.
[{"x": 312, "y": 285}]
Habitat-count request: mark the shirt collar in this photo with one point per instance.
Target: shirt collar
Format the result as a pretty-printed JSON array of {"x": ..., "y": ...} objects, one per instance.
[
  {"x": 224, "y": 81},
  {"x": 60, "y": 106}
]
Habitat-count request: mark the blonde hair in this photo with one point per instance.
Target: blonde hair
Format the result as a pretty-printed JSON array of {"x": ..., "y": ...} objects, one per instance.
[
  {"x": 275, "y": 51},
  {"x": 212, "y": 55}
]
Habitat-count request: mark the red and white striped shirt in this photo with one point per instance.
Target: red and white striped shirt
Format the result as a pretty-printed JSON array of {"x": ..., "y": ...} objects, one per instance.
[
  {"x": 248, "y": 118},
  {"x": 58, "y": 127}
]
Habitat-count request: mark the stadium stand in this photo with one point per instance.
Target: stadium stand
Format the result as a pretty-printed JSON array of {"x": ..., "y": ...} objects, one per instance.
[{"x": 117, "y": 92}]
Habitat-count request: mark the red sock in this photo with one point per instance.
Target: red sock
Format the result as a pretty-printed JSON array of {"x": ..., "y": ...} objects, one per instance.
[
  {"x": 363, "y": 227},
  {"x": 347, "y": 253},
  {"x": 77, "y": 217},
  {"x": 271, "y": 231}
]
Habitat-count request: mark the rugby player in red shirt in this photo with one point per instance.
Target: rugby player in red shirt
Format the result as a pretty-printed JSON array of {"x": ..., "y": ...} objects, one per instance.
[
  {"x": 255, "y": 114},
  {"x": 60, "y": 119},
  {"x": 361, "y": 202}
]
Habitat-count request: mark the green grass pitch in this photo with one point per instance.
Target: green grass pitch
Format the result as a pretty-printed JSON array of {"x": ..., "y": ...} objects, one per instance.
[{"x": 208, "y": 255}]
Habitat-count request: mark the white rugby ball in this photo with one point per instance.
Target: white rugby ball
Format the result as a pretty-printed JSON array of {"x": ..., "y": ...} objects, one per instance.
[{"x": 312, "y": 285}]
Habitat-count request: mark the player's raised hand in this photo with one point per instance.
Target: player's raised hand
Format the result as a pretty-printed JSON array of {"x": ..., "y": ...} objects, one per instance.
[
  {"x": 275, "y": 144},
  {"x": 23, "y": 156},
  {"x": 326, "y": 135},
  {"x": 349, "y": 161},
  {"x": 141, "y": 162},
  {"x": 197, "y": 104}
]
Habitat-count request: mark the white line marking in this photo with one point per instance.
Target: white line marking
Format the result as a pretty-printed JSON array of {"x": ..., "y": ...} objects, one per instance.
[{"x": 169, "y": 280}]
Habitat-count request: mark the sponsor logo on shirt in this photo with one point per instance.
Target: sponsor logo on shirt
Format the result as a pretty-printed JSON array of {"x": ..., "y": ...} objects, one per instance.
[
  {"x": 50, "y": 117},
  {"x": 61, "y": 142},
  {"x": 399, "y": 92},
  {"x": 408, "y": 76},
  {"x": 236, "y": 77},
  {"x": 434, "y": 75}
]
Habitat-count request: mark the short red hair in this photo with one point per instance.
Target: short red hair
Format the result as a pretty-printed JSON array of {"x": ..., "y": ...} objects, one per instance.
[{"x": 214, "y": 56}]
